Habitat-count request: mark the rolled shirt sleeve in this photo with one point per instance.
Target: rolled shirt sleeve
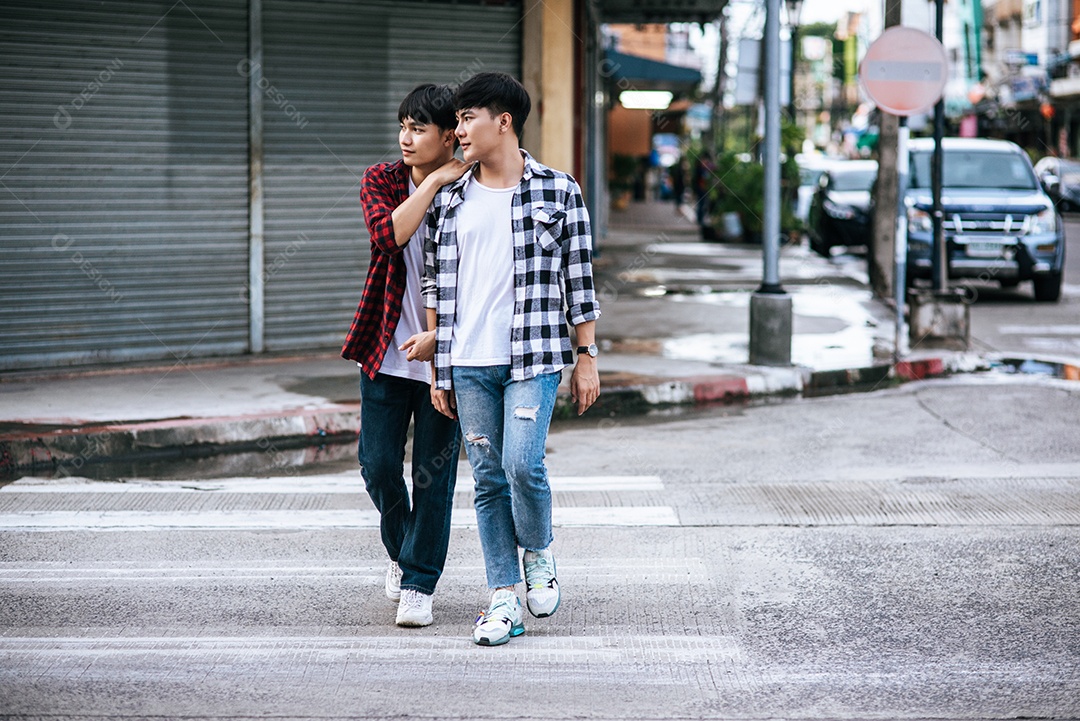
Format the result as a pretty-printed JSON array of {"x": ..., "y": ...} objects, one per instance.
[
  {"x": 580, "y": 292},
  {"x": 377, "y": 197},
  {"x": 429, "y": 287}
]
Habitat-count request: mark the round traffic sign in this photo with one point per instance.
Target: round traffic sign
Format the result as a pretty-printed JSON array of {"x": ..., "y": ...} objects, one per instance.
[{"x": 904, "y": 70}]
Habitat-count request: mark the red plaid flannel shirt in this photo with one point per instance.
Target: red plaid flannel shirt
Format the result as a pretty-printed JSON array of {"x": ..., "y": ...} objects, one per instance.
[{"x": 384, "y": 188}]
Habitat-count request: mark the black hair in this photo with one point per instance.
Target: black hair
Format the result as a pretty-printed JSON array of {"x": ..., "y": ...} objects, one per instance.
[
  {"x": 429, "y": 104},
  {"x": 497, "y": 93}
]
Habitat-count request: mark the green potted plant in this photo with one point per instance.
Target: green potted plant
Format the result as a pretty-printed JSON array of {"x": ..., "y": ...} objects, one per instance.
[{"x": 740, "y": 188}]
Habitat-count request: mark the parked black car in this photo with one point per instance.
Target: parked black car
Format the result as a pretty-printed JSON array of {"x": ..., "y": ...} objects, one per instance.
[
  {"x": 1061, "y": 180},
  {"x": 839, "y": 212}
]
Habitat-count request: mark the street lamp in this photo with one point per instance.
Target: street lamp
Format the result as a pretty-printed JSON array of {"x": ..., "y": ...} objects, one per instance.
[{"x": 794, "y": 10}]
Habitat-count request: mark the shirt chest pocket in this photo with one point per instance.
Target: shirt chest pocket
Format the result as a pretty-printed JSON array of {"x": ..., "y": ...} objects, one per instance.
[{"x": 548, "y": 224}]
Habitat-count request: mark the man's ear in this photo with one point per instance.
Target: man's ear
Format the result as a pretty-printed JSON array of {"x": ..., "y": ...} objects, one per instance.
[
  {"x": 448, "y": 138},
  {"x": 506, "y": 122}
]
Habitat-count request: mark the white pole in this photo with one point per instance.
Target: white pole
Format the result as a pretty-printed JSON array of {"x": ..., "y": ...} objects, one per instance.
[{"x": 900, "y": 349}]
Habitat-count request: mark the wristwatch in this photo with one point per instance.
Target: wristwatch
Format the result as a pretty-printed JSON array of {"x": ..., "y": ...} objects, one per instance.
[{"x": 591, "y": 349}]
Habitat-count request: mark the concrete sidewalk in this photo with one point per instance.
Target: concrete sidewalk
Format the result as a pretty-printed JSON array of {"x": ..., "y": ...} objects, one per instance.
[{"x": 674, "y": 331}]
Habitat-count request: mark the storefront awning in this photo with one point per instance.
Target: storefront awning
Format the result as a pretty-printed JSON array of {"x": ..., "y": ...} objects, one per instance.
[
  {"x": 646, "y": 74},
  {"x": 658, "y": 11}
]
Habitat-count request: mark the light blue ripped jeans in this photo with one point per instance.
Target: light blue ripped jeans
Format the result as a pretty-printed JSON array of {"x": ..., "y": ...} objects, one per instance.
[{"x": 505, "y": 426}]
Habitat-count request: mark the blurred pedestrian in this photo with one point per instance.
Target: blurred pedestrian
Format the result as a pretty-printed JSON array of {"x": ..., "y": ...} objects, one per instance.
[
  {"x": 704, "y": 180},
  {"x": 389, "y": 342},
  {"x": 678, "y": 183}
]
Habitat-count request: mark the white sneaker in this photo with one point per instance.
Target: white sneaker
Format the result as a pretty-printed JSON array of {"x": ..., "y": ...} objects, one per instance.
[
  {"x": 501, "y": 621},
  {"x": 414, "y": 609},
  {"x": 393, "y": 582},
  {"x": 542, "y": 596}
]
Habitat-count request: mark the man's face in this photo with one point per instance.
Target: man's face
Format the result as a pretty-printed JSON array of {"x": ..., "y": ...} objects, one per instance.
[
  {"x": 423, "y": 143},
  {"x": 478, "y": 132}
]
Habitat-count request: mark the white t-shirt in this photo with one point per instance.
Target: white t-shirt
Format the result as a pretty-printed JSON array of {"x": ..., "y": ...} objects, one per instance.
[
  {"x": 413, "y": 316},
  {"x": 485, "y": 278}
]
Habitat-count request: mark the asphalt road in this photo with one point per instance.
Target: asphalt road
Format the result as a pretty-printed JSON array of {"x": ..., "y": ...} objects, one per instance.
[
  {"x": 1010, "y": 321},
  {"x": 909, "y": 553}
]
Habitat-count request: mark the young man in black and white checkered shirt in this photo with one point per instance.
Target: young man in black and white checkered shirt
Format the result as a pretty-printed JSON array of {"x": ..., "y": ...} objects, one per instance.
[{"x": 508, "y": 270}]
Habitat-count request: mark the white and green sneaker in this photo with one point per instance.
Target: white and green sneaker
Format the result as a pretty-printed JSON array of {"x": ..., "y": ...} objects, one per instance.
[
  {"x": 501, "y": 621},
  {"x": 542, "y": 596}
]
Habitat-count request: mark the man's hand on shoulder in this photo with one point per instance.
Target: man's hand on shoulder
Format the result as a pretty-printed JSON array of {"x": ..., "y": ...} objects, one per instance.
[{"x": 448, "y": 172}]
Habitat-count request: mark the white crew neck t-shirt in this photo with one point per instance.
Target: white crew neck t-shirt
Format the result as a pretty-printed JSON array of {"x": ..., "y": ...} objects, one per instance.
[
  {"x": 485, "y": 277},
  {"x": 413, "y": 316}
]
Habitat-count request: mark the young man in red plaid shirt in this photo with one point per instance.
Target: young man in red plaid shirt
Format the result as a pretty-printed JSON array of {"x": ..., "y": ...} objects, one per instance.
[{"x": 389, "y": 342}]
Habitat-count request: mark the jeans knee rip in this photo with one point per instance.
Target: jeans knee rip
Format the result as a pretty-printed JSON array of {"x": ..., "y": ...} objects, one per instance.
[
  {"x": 476, "y": 439},
  {"x": 526, "y": 413}
]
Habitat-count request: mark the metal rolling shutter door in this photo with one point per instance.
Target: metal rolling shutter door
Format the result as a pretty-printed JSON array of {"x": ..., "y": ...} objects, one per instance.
[
  {"x": 123, "y": 142},
  {"x": 338, "y": 71}
]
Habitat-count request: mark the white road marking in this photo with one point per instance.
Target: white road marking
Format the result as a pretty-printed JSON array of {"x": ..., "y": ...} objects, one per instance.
[
  {"x": 330, "y": 484},
  {"x": 349, "y": 482},
  {"x": 637, "y": 570},
  {"x": 1039, "y": 329},
  {"x": 434, "y": 650},
  {"x": 606, "y": 483},
  {"x": 1052, "y": 344},
  {"x": 278, "y": 520}
]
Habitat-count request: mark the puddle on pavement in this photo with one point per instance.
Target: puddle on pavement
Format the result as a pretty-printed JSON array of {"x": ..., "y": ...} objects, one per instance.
[
  {"x": 844, "y": 335},
  {"x": 1031, "y": 366},
  {"x": 656, "y": 415}
]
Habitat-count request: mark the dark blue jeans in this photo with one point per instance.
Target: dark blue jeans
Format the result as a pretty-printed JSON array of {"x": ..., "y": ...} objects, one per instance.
[{"x": 415, "y": 534}]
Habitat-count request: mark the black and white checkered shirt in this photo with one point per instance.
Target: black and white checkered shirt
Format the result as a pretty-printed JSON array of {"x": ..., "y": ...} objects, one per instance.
[{"x": 553, "y": 283}]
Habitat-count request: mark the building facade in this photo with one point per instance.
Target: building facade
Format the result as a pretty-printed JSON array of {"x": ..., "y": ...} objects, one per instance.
[{"x": 180, "y": 180}]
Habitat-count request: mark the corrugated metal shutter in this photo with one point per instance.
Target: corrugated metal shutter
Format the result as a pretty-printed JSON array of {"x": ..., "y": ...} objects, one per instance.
[
  {"x": 123, "y": 198},
  {"x": 338, "y": 71}
]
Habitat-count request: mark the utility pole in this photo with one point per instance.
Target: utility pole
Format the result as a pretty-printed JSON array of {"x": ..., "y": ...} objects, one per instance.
[
  {"x": 940, "y": 267},
  {"x": 720, "y": 117},
  {"x": 940, "y": 318},
  {"x": 717, "y": 121},
  {"x": 883, "y": 238}
]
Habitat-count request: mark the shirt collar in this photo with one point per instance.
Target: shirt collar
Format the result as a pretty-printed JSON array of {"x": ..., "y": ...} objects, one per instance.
[{"x": 532, "y": 167}]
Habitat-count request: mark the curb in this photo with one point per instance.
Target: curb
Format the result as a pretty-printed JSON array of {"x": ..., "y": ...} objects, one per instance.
[
  {"x": 71, "y": 447},
  {"x": 761, "y": 381},
  {"x": 175, "y": 437},
  {"x": 693, "y": 390}
]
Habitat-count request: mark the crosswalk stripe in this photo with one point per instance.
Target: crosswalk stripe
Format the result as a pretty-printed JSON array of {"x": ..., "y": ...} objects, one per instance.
[
  {"x": 303, "y": 519},
  {"x": 349, "y": 482},
  {"x": 572, "y": 569},
  {"x": 1039, "y": 329},
  {"x": 634, "y": 650}
]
